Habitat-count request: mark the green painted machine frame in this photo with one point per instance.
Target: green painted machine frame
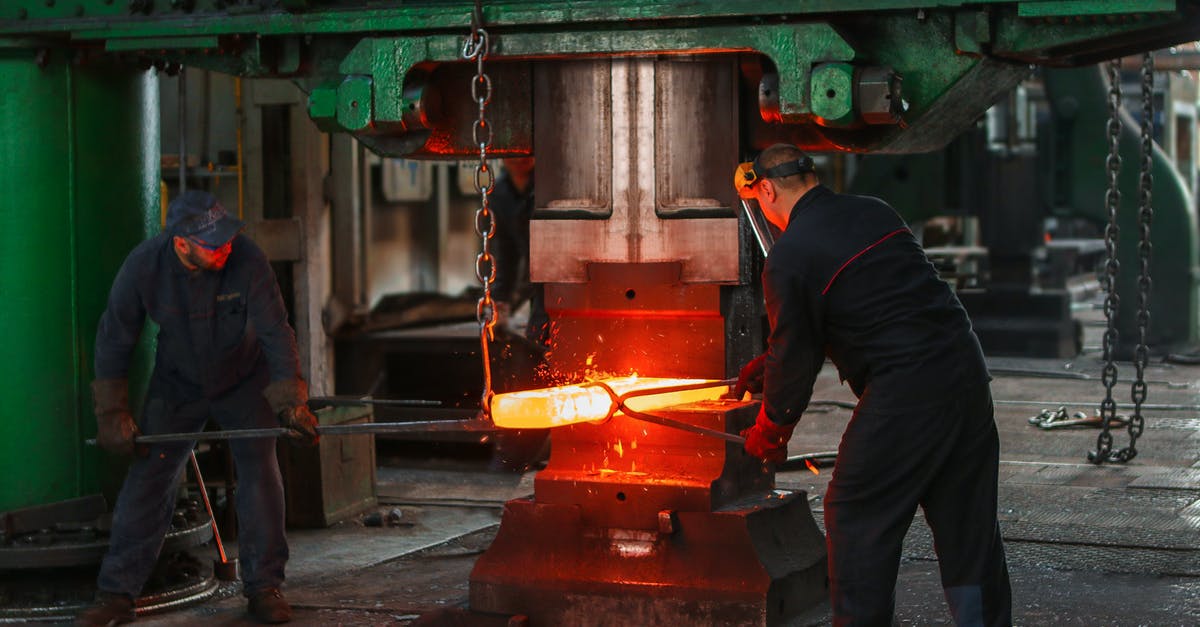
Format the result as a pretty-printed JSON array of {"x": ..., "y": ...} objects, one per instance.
[
  {"x": 372, "y": 71},
  {"x": 66, "y": 223}
]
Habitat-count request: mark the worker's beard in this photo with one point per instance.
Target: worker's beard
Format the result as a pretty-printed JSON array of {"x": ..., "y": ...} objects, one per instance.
[{"x": 204, "y": 260}]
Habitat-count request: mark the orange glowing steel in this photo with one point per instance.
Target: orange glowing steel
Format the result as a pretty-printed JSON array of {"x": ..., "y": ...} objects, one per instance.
[{"x": 573, "y": 404}]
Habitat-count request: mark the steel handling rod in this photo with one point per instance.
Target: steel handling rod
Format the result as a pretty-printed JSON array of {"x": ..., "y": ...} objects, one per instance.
[
  {"x": 422, "y": 426},
  {"x": 338, "y": 401},
  {"x": 429, "y": 426},
  {"x": 208, "y": 506},
  {"x": 684, "y": 426},
  {"x": 619, "y": 405},
  {"x": 667, "y": 389}
]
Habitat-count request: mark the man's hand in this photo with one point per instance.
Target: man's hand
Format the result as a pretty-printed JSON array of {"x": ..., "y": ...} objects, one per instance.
[
  {"x": 115, "y": 433},
  {"x": 767, "y": 440},
  {"x": 288, "y": 399},
  {"x": 115, "y": 427},
  {"x": 303, "y": 424},
  {"x": 750, "y": 379}
]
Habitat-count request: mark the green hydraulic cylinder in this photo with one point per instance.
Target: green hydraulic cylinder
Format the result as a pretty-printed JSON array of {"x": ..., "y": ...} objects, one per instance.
[
  {"x": 1077, "y": 99},
  {"x": 79, "y": 188}
]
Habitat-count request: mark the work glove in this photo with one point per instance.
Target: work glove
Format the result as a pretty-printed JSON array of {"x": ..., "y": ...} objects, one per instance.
[
  {"x": 115, "y": 427},
  {"x": 289, "y": 402},
  {"x": 767, "y": 440},
  {"x": 303, "y": 424},
  {"x": 750, "y": 379}
]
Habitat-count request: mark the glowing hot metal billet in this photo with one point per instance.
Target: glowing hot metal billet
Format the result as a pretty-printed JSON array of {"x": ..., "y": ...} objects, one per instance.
[{"x": 573, "y": 404}]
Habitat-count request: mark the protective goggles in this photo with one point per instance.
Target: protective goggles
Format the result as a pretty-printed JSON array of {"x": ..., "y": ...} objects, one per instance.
[{"x": 748, "y": 174}]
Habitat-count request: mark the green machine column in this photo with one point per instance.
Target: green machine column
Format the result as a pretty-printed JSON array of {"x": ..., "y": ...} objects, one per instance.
[
  {"x": 79, "y": 178},
  {"x": 1077, "y": 98}
]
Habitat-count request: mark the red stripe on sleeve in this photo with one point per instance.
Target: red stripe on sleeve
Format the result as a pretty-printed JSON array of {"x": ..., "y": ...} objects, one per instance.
[{"x": 857, "y": 255}]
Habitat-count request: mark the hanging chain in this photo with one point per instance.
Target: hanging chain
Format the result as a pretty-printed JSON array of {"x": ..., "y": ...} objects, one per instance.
[
  {"x": 1145, "y": 216},
  {"x": 475, "y": 48},
  {"x": 1108, "y": 407}
]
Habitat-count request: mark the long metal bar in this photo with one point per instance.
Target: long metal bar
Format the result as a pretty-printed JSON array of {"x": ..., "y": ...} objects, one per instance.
[
  {"x": 418, "y": 426},
  {"x": 684, "y": 426},
  {"x": 667, "y": 389},
  {"x": 619, "y": 404},
  {"x": 182, "y": 130},
  {"x": 431, "y": 426},
  {"x": 208, "y": 506},
  {"x": 338, "y": 401}
]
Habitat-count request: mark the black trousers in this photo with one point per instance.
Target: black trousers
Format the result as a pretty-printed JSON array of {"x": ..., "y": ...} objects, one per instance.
[{"x": 942, "y": 456}]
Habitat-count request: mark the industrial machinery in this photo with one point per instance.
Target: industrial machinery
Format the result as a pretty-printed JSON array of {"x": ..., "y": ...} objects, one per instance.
[
  {"x": 637, "y": 112},
  {"x": 1036, "y": 155}
]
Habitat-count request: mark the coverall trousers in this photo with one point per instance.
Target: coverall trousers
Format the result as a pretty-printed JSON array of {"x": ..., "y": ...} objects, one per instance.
[
  {"x": 942, "y": 456},
  {"x": 147, "y": 500}
]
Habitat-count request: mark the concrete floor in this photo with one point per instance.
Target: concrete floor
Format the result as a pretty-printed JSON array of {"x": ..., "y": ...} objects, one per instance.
[{"x": 1086, "y": 545}]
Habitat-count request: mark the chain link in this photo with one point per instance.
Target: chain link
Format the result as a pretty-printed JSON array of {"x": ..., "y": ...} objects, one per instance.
[
  {"x": 1108, "y": 407},
  {"x": 476, "y": 48},
  {"x": 1145, "y": 217}
]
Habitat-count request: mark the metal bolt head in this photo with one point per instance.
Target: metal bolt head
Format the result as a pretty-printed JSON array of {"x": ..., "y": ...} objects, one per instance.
[{"x": 832, "y": 94}]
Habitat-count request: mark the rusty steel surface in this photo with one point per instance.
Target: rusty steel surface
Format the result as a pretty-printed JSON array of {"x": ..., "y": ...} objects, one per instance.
[{"x": 609, "y": 207}]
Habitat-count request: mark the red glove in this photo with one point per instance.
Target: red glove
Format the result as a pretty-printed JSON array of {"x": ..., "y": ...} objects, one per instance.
[
  {"x": 115, "y": 427},
  {"x": 750, "y": 379},
  {"x": 303, "y": 424},
  {"x": 289, "y": 401},
  {"x": 767, "y": 440}
]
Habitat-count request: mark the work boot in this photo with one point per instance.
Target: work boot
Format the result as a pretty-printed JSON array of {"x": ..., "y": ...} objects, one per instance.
[
  {"x": 269, "y": 606},
  {"x": 109, "y": 609}
]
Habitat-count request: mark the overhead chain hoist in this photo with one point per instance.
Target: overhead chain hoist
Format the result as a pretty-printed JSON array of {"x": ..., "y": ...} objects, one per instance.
[
  {"x": 475, "y": 48},
  {"x": 1104, "y": 442}
]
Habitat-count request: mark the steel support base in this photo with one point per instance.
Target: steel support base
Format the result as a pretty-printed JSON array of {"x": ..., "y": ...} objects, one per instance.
[{"x": 759, "y": 561}]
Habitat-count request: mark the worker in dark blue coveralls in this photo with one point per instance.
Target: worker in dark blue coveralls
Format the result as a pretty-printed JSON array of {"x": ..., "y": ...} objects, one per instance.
[
  {"x": 848, "y": 281},
  {"x": 225, "y": 351}
]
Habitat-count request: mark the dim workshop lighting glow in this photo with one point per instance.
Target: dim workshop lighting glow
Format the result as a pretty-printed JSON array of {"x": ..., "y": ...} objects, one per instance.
[{"x": 573, "y": 404}]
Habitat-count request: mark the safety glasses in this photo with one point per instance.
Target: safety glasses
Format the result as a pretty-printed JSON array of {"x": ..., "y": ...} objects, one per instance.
[{"x": 212, "y": 248}]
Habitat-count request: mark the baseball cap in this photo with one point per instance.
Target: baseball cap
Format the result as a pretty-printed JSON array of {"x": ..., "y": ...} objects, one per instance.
[{"x": 198, "y": 214}]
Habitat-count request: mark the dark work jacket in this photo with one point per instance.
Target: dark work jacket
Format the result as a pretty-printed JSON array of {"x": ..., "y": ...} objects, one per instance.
[
  {"x": 848, "y": 280},
  {"x": 217, "y": 329}
]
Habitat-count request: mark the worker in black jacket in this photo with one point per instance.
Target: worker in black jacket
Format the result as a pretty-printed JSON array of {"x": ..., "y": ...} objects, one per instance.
[
  {"x": 224, "y": 350},
  {"x": 848, "y": 281}
]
